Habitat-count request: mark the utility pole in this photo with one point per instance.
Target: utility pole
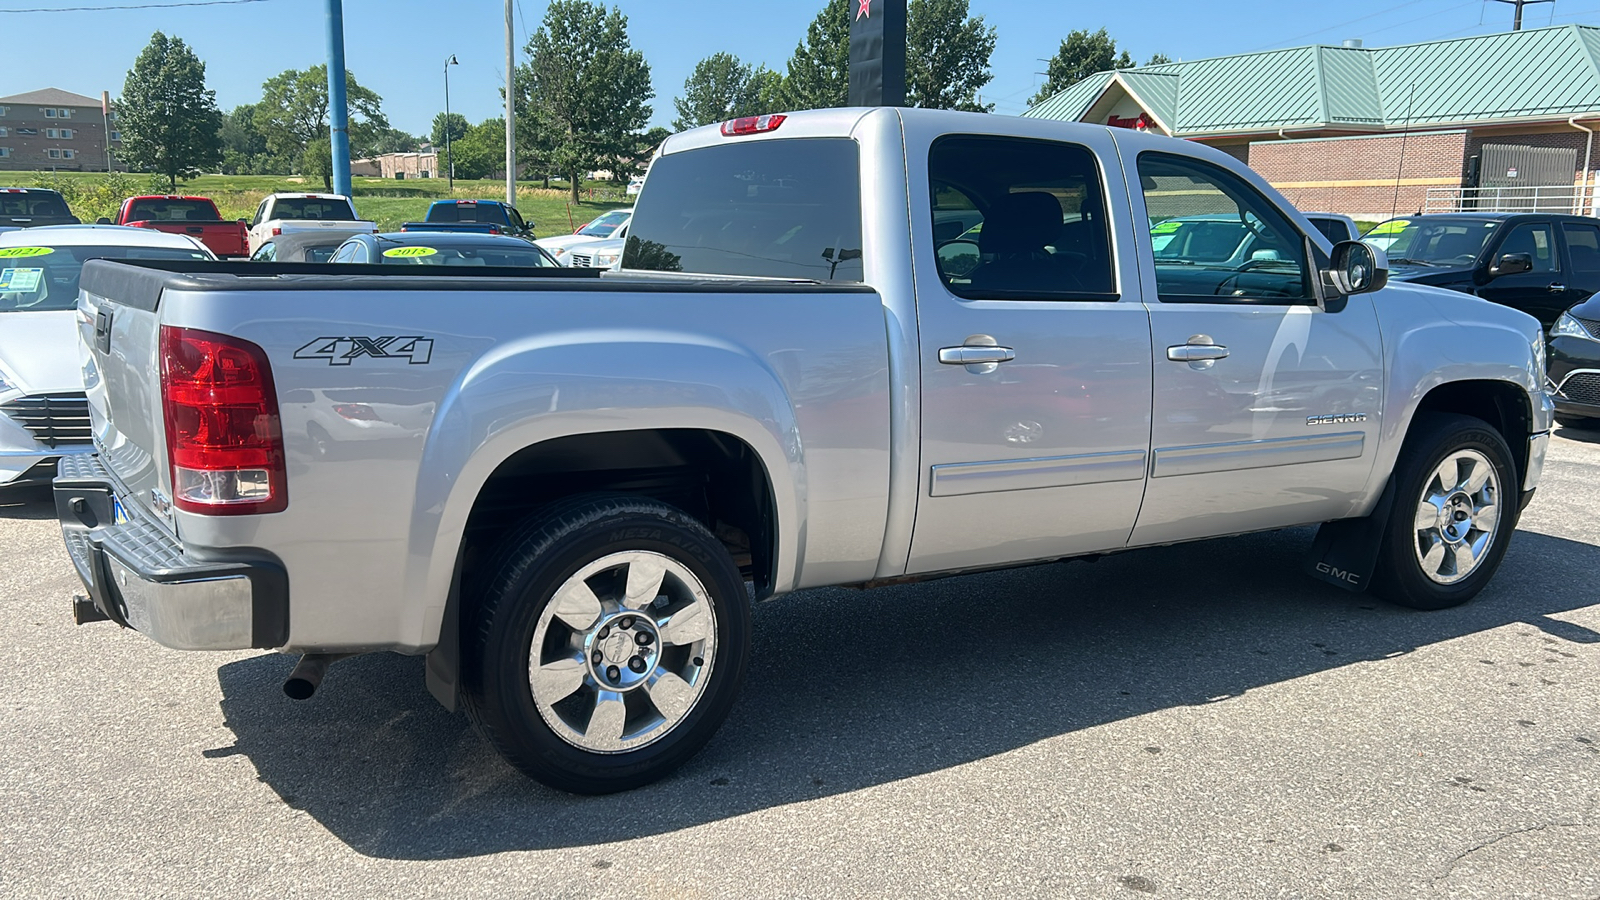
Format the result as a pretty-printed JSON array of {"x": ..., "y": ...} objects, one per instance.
[
  {"x": 449, "y": 161},
  {"x": 1516, "y": 21},
  {"x": 338, "y": 107},
  {"x": 511, "y": 112}
]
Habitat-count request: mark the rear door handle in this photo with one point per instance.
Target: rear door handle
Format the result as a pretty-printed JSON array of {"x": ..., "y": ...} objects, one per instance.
[
  {"x": 1557, "y": 288},
  {"x": 975, "y": 356}
]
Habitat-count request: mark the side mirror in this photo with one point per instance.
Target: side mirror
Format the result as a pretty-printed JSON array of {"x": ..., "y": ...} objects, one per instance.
[
  {"x": 958, "y": 259},
  {"x": 1358, "y": 268},
  {"x": 1511, "y": 264},
  {"x": 102, "y": 221}
]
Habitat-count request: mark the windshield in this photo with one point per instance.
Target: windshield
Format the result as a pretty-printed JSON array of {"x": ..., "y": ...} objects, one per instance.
[
  {"x": 172, "y": 211},
  {"x": 603, "y": 226},
  {"x": 31, "y": 204},
  {"x": 418, "y": 255},
  {"x": 45, "y": 278},
  {"x": 1437, "y": 242},
  {"x": 1202, "y": 241},
  {"x": 312, "y": 208}
]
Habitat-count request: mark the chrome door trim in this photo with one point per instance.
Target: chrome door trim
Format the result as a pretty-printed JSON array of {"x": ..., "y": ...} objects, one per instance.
[
  {"x": 956, "y": 479},
  {"x": 1203, "y": 458}
]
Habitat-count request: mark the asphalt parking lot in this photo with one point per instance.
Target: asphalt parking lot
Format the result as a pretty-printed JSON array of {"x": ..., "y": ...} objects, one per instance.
[{"x": 1197, "y": 721}]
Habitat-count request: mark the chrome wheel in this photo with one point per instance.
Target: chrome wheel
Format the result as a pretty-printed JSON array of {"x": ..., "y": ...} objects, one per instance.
[
  {"x": 622, "y": 652},
  {"x": 1457, "y": 517}
]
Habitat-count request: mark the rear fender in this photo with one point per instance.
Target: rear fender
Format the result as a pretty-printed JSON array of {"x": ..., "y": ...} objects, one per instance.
[{"x": 560, "y": 384}]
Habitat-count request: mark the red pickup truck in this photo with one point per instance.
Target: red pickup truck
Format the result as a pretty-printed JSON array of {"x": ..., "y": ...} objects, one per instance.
[{"x": 194, "y": 216}]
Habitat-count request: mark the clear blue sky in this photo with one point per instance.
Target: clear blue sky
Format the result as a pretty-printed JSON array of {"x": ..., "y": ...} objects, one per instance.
[{"x": 397, "y": 47}]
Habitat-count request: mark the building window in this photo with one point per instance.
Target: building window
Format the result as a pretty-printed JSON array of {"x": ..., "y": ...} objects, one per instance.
[
  {"x": 4, "y": 131},
  {"x": 49, "y": 114},
  {"x": 5, "y": 152},
  {"x": 2, "y": 110},
  {"x": 68, "y": 154},
  {"x": 53, "y": 153},
  {"x": 64, "y": 113},
  {"x": 116, "y": 135}
]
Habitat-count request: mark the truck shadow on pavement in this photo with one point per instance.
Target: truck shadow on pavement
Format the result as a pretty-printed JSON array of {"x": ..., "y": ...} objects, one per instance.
[{"x": 848, "y": 690}]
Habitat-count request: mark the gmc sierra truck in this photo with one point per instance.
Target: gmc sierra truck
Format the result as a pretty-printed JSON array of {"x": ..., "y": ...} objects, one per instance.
[
  {"x": 289, "y": 213},
  {"x": 564, "y": 488}
]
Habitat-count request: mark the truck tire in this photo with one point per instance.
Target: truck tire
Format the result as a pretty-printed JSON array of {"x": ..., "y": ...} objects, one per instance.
[
  {"x": 1455, "y": 508},
  {"x": 608, "y": 641}
]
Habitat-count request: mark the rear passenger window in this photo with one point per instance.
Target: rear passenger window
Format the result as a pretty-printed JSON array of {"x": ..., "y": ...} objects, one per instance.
[
  {"x": 1019, "y": 219},
  {"x": 767, "y": 208},
  {"x": 1583, "y": 245}
]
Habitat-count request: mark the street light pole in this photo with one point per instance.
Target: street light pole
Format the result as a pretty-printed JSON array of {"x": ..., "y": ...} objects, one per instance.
[{"x": 449, "y": 161}]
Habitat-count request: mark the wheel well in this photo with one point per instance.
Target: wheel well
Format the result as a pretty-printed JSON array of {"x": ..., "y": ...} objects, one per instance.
[
  {"x": 710, "y": 475},
  {"x": 1502, "y": 404}
]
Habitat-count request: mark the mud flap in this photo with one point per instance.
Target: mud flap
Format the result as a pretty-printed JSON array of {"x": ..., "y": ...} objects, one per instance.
[{"x": 1345, "y": 552}]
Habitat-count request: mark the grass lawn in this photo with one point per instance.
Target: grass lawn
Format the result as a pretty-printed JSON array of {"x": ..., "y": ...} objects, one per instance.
[{"x": 385, "y": 201}]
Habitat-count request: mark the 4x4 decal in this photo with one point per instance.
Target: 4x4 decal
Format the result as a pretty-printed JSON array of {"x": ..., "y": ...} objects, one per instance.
[{"x": 340, "y": 351}]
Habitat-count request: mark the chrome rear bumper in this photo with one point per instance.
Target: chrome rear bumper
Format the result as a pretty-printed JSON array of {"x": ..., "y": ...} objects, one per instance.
[{"x": 140, "y": 577}]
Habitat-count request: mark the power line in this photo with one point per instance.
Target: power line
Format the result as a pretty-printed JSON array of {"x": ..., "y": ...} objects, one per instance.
[
  {"x": 55, "y": 9},
  {"x": 1381, "y": 12}
]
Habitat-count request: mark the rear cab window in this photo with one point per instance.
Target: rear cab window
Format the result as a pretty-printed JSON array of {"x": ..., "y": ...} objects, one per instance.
[
  {"x": 29, "y": 204},
  {"x": 173, "y": 211},
  {"x": 312, "y": 208},
  {"x": 786, "y": 208}
]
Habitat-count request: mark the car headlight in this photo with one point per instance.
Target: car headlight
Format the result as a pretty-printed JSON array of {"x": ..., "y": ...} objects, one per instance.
[
  {"x": 607, "y": 260},
  {"x": 1567, "y": 326},
  {"x": 559, "y": 252}
]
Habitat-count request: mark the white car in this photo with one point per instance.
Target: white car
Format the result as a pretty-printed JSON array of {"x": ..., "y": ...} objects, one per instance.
[
  {"x": 288, "y": 213},
  {"x": 613, "y": 224},
  {"x": 596, "y": 254},
  {"x": 44, "y": 413}
]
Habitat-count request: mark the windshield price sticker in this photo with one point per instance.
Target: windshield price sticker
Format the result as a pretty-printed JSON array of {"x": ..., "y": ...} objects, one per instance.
[
  {"x": 1167, "y": 227},
  {"x": 20, "y": 252},
  {"x": 21, "y": 281},
  {"x": 408, "y": 252},
  {"x": 1394, "y": 227}
]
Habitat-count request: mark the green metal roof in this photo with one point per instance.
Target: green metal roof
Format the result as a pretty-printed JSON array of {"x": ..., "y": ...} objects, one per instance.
[{"x": 1542, "y": 73}]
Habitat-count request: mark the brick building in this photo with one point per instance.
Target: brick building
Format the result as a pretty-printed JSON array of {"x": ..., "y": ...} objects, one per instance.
[
  {"x": 54, "y": 130},
  {"x": 1493, "y": 121}
]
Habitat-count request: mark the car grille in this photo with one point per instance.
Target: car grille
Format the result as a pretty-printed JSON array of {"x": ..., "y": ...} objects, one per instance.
[
  {"x": 1582, "y": 387},
  {"x": 582, "y": 261},
  {"x": 55, "y": 420},
  {"x": 1590, "y": 325}
]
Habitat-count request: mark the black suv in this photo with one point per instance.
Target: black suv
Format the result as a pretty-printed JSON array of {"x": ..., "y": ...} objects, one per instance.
[{"x": 1540, "y": 263}]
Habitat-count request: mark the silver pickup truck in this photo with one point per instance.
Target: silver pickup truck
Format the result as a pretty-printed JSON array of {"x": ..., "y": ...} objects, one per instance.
[{"x": 846, "y": 347}]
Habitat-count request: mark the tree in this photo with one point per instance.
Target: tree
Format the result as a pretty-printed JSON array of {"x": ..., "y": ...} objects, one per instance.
[
  {"x": 590, "y": 89},
  {"x": 819, "y": 71},
  {"x": 947, "y": 56},
  {"x": 1082, "y": 54},
  {"x": 169, "y": 121},
  {"x": 1159, "y": 59},
  {"x": 481, "y": 150},
  {"x": 457, "y": 127},
  {"x": 244, "y": 147},
  {"x": 393, "y": 140},
  {"x": 722, "y": 88},
  {"x": 293, "y": 113}
]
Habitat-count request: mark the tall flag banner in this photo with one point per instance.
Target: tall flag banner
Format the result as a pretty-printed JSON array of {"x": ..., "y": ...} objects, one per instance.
[{"x": 878, "y": 53}]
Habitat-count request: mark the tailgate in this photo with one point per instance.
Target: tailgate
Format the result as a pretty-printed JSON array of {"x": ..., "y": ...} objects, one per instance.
[{"x": 118, "y": 344}]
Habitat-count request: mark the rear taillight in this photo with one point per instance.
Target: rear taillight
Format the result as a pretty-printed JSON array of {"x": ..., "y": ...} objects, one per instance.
[
  {"x": 277, "y": 231},
  {"x": 224, "y": 438},
  {"x": 752, "y": 125},
  {"x": 494, "y": 229}
]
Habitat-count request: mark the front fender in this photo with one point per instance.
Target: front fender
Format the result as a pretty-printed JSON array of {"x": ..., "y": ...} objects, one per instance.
[
  {"x": 1434, "y": 337},
  {"x": 562, "y": 383}
]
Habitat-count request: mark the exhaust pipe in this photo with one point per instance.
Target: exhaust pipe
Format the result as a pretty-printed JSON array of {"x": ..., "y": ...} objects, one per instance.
[{"x": 308, "y": 672}]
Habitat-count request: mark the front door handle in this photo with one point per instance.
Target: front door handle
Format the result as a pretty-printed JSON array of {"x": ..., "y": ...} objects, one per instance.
[
  {"x": 1201, "y": 352},
  {"x": 1556, "y": 288}
]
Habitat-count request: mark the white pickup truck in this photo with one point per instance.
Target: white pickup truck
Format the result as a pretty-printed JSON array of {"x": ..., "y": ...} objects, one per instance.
[
  {"x": 288, "y": 213},
  {"x": 845, "y": 347}
]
